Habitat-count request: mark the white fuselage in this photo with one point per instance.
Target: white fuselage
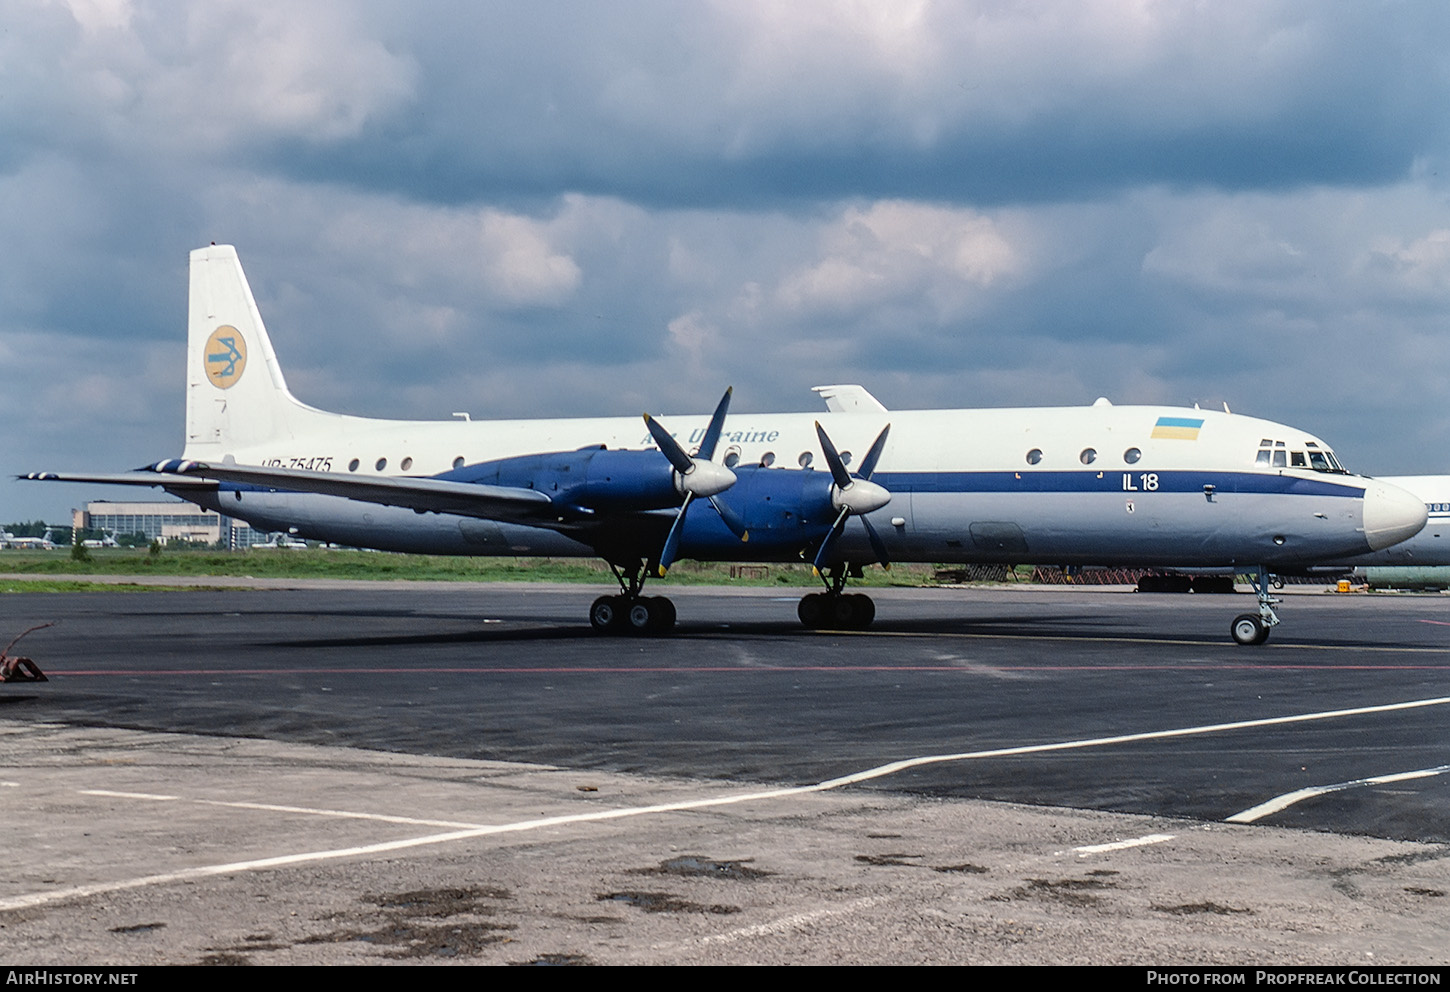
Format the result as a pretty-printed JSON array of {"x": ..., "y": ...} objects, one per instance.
[{"x": 1048, "y": 485}]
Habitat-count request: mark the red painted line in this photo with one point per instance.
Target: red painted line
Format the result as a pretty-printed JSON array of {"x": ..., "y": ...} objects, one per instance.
[
  {"x": 1441, "y": 623},
  {"x": 746, "y": 670}
]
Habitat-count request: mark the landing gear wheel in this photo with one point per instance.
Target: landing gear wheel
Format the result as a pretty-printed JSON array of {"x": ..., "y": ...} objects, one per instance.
[
  {"x": 1249, "y": 628},
  {"x": 812, "y": 610},
  {"x": 642, "y": 616},
  {"x": 865, "y": 612},
  {"x": 843, "y": 613},
  {"x": 607, "y": 614},
  {"x": 828, "y": 611},
  {"x": 650, "y": 615}
]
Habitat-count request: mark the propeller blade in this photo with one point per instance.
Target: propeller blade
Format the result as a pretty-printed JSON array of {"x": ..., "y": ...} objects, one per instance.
[
  {"x": 833, "y": 459},
  {"x": 672, "y": 542},
  {"x": 823, "y": 555},
  {"x": 732, "y": 519},
  {"x": 868, "y": 464},
  {"x": 668, "y": 445},
  {"x": 717, "y": 424},
  {"x": 877, "y": 545}
]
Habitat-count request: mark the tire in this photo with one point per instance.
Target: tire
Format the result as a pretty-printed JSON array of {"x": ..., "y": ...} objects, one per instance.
[
  {"x": 812, "y": 610},
  {"x": 642, "y": 616},
  {"x": 842, "y": 612},
  {"x": 865, "y": 612},
  {"x": 664, "y": 611},
  {"x": 1249, "y": 629},
  {"x": 606, "y": 615}
]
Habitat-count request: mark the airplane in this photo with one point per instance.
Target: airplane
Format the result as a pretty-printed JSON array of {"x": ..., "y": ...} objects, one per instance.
[
  {"x": 29, "y": 543},
  {"x": 1098, "y": 485}
]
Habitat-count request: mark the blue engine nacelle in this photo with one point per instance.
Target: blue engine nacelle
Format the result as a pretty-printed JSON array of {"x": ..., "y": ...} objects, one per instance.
[{"x": 593, "y": 478}]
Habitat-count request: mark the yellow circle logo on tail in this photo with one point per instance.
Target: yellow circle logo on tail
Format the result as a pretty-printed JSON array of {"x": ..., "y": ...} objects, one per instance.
[{"x": 225, "y": 356}]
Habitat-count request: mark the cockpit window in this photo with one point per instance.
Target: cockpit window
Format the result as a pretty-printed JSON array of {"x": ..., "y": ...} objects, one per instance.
[{"x": 1277, "y": 454}]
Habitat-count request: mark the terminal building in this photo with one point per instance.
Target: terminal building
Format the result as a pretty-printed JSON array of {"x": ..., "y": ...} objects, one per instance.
[{"x": 166, "y": 521}]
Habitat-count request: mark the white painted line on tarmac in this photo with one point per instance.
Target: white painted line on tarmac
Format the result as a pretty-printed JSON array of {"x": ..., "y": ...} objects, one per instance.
[
  {"x": 1153, "y": 735},
  {"x": 1123, "y": 845},
  {"x": 881, "y": 771},
  {"x": 785, "y": 924},
  {"x": 343, "y": 814},
  {"x": 1288, "y": 799},
  {"x": 206, "y": 871},
  {"x": 306, "y": 810}
]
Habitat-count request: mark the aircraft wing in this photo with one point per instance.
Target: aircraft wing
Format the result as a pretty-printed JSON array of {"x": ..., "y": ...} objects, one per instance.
[{"x": 502, "y": 503}]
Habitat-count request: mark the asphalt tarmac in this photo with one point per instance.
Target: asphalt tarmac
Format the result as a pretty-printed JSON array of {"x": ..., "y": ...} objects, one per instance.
[{"x": 1098, "y": 701}]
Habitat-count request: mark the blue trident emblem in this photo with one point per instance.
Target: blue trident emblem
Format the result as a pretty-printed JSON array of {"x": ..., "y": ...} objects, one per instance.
[{"x": 231, "y": 357}]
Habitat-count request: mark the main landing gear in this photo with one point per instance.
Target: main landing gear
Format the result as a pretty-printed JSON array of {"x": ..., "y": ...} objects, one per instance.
[
  {"x": 836, "y": 609},
  {"x": 631, "y": 613},
  {"x": 1253, "y": 628}
]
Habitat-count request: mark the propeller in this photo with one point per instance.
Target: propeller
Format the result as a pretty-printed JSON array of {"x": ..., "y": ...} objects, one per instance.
[
  {"x": 853, "y": 495},
  {"x": 697, "y": 476}
]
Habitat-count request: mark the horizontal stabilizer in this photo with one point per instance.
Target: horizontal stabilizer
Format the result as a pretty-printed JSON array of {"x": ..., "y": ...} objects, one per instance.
[{"x": 124, "y": 479}]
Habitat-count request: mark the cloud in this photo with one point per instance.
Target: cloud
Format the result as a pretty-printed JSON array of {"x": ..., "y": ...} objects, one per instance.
[{"x": 895, "y": 250}]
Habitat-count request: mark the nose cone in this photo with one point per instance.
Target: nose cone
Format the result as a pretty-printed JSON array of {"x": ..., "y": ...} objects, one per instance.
[{"x": 1391, "y": 514}]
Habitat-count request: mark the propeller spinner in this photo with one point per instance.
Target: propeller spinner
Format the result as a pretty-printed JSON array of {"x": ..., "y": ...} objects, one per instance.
[
  {"x": 853, "y": 495},
  {"x": 697, "y": 476}
]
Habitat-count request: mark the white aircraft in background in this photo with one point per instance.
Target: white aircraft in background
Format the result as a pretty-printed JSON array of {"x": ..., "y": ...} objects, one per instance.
[
  {"x": 1431, "y": 546},
  {"x": 29, "y": 543},
  {"x": 1101, "y": 485}
]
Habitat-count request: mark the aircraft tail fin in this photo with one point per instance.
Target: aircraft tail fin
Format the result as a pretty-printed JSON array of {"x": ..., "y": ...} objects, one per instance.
[{"x": 236, "y": 396}]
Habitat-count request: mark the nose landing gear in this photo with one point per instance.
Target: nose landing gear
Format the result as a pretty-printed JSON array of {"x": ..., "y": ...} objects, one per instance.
[{"x": 1253, "y": 628}]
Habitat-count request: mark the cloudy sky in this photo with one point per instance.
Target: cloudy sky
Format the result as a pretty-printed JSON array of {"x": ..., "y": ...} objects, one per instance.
[{"x": 577, "y": 208}]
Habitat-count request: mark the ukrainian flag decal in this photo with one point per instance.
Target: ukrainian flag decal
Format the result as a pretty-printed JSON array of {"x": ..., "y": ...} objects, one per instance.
[{"x": 1177, "y": 428}]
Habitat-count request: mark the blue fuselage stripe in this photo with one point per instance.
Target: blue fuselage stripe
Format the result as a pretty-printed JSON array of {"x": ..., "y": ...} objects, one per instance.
[{"x": 1110, "y": 480}]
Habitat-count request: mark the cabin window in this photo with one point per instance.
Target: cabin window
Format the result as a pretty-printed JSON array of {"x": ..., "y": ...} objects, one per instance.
[
  {"x": 352, "y": 465},
  {"x": 1264, "y": 455},
  {"x": 767, "y": 459},
  {"x": 732, "y": 459},
  {"x": 1281, "y": 460},
  {"x": 458, "y": 462},
  {"x": 1088, "y": 456},
  {"x": 1296, "y": 460},
  {"x": 1034, "y": 456},
  {"x": 845, "y": 458},
  {"x": 382, "y": 463},
  {"x": 804, "y": 461},
  {"x": 407, "y": 463},
  {"x": 1132, "y": 455},
  {"x": 1318, "y": 462}
]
